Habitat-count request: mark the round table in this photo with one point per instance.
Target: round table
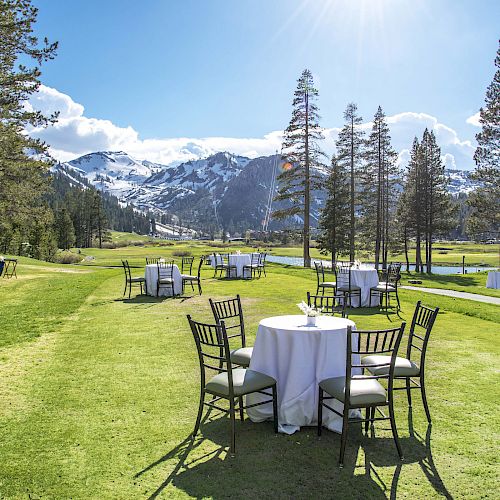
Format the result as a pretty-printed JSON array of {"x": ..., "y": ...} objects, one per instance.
[
  {"x": 299, "y": 357},
  {"x": 365, "y": 278},
  {"x": 240, "y": 260},
  {"x": 151, "y": 276},
  {"x": 493, "y": 279}
]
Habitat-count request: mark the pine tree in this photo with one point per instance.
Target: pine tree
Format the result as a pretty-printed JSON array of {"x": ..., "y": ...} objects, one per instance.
[
  {"x": 302, "y": 152},
  {"x": 64, "y": 229},
  {"x": 22, "y": 177},
  {"x": 349, "y": 154},
  {"x": 378, "y": 196},
  {"x": 485, "y": 201},
  {"x": 334, "y": 222}
]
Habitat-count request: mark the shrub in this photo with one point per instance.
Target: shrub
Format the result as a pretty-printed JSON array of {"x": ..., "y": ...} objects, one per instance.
[
  {"x": 66, "y": 257},
  {"x": 181, "y": 253}
]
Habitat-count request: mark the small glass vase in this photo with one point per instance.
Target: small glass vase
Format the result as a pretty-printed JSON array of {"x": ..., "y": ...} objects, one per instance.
[{"x": 311, "y": 320}]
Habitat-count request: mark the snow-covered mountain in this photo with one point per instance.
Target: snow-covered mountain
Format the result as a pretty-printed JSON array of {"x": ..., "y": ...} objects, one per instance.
[{"x": 221, "y": 190}]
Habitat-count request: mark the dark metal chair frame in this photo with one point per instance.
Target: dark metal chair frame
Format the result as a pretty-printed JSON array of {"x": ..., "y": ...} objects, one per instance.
[
  {"x": 9, "y": 269},
  {"x": 341, "y": 271},
  {"x": 213, "y": 349},
  {"x": 391, "y": 277},
  {"x": 423, "y": 317},
  {"x": 187, "y": 265},
  {"x": 129, "y": 280},
  {"x": 230, "y": 309},
  {"x": 165, "y": 271},
  {"x": 253, "y": 267},
  {"x": 262, "y": 263},
  {"x": 368, "y": 342},
  {"x": 194, "y": 279},
  {"x": 152, "y": 260},
  {"x": 320, "y": 279},
  {"x": 329, "y": 304}
]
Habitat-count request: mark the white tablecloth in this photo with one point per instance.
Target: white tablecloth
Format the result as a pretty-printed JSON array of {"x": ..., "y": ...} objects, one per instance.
[
  {"x": 299, "y": 357},
  {"x": 493, "y": 279},
  {"x": 365, "y": 278},
  {"x": 151, "y": 275},
  {"x": 239, "y": 260}
]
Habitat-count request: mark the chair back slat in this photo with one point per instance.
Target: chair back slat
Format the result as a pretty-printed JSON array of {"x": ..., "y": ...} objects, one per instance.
[
  {"x": 343, "y": 273},
  {"x": 165, "y": 269},
  {"x": 320, "y": 272},
  {"x": 230, "y": 309},
  {"x": 187, "y": 265},
  {"x": 212, "y": 345},
  {"x": 126, "y": 268},
  {"x": 372, "y": 342},
  {"x": 422, "y": 322},
  {"x": 329, "y": 304},
  {"x": 152, "y": 260}
]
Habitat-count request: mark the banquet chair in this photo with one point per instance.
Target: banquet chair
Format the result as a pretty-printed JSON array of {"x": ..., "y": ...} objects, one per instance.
[
  {"x": 130, "y": 280},
  {"x": 191, "y": 279},
  {"x": 229, "y": 383},
  {"x": 329, "y": 304},
  {"x": 187, "y": 269},
  {"x": 364, "y": 391},
  {"x": 343, "y": 275},
  {"x": 152, "y": 260},
  {"x": 262, "y": 263},
  {"x": 384, "y": 288},
  {"x": 165, "y": 276},
  {"x": 412, "y": 366},
  {"x": 320, "y": 279},
  {"x": 10, "y": 268},
  {"x": 250, "y": 270},
  {"x": 231, "y": 312}
]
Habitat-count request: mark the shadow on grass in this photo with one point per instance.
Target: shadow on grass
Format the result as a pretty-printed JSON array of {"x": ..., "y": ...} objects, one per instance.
[
  {"x": 300, "y": 465},
  {"x": 455, "y": 279}
]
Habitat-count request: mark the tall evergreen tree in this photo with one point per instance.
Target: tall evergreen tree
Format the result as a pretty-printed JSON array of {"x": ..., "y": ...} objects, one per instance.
[
  {"x": 485, "y": 201},
  {"x": 349, "y": 154},
  {"x": 302, "y": 152},
  {"x": 334, "y": 222},
  {"x": 64, "y": 229},
  {"x": 22, "y": 177},
  {"x": 378, "y": 195}
]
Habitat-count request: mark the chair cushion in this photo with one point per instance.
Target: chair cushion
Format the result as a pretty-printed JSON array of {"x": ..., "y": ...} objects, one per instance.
[
  {"x": 364, "y": 391},
  {"x": 189, "y": 277},
  {"x": 328, "y": 284},
  {"x": 242, "y": 356},
  {"x": 137, "y": 280},
  {"x": 244, "y": 382},
  {"x": 165, "y": 280},
  {"x": 345, "y": 288},
  {"x": 403, "y": 367},
  {"x": 381, "y": 288}
]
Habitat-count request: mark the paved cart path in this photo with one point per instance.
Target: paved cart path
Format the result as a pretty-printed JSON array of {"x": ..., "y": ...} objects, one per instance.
[{"x": 455, "y": 294}]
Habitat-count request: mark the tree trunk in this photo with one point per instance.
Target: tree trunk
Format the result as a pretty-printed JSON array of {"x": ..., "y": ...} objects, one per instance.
[
  {"x": 418, "y": 256},
  {"x": 351, "y": 235},
  {"x": 379, "y": 219},
  {"x": 307, "y": 257},
  {"x": 406, "y": 249}
]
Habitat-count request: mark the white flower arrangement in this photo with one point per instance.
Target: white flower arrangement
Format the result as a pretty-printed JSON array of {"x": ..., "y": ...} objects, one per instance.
[
  {"x": 2, "y": 258},
  {"x": 310, "y": 312}
]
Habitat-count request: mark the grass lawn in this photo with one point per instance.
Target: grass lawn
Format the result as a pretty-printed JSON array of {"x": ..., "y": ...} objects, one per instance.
[{"x": 100, "y": 394}]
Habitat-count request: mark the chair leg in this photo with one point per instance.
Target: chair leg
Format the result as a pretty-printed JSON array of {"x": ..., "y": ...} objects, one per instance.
[
  {"x": 368, "y": 414},
  {"x": 275, "y": 409},
  {"x": 345, "y": 425},
  {"x": 125, "y": 289},
  {"x": 320, "y": 410},
  {"x": 424, "y": 399},
  {"x": 394, "y": 428},
  {"x": 370, "y": 303},
  {"x": 200, "y": 413},
  {"x": 408, "y": 391},
  {"x": 240, "y": 404},
  {"x": 397, "y": 299},
  {"x": 232, "y": 417},
  {"x": 199, "y": 286},
  {"x": 129, "y": 289}
]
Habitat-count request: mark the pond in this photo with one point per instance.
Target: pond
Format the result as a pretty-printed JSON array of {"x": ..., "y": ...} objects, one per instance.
[{"x": 298, "y": 261}]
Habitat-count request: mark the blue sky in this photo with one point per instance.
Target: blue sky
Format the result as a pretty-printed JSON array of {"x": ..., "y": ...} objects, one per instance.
[{"x": 162, "y": 69}]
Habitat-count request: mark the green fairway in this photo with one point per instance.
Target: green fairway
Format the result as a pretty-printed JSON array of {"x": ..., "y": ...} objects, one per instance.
[{"x": 100, "y": 394}]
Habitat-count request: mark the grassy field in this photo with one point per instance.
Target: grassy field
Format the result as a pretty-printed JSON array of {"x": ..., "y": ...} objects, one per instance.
[{"x": 99, "y": 396}]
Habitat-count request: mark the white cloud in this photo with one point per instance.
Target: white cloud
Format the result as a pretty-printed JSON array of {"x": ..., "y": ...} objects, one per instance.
[
  {"x": 474, "y": 120},
  {"x": 76, "y": 134}
]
